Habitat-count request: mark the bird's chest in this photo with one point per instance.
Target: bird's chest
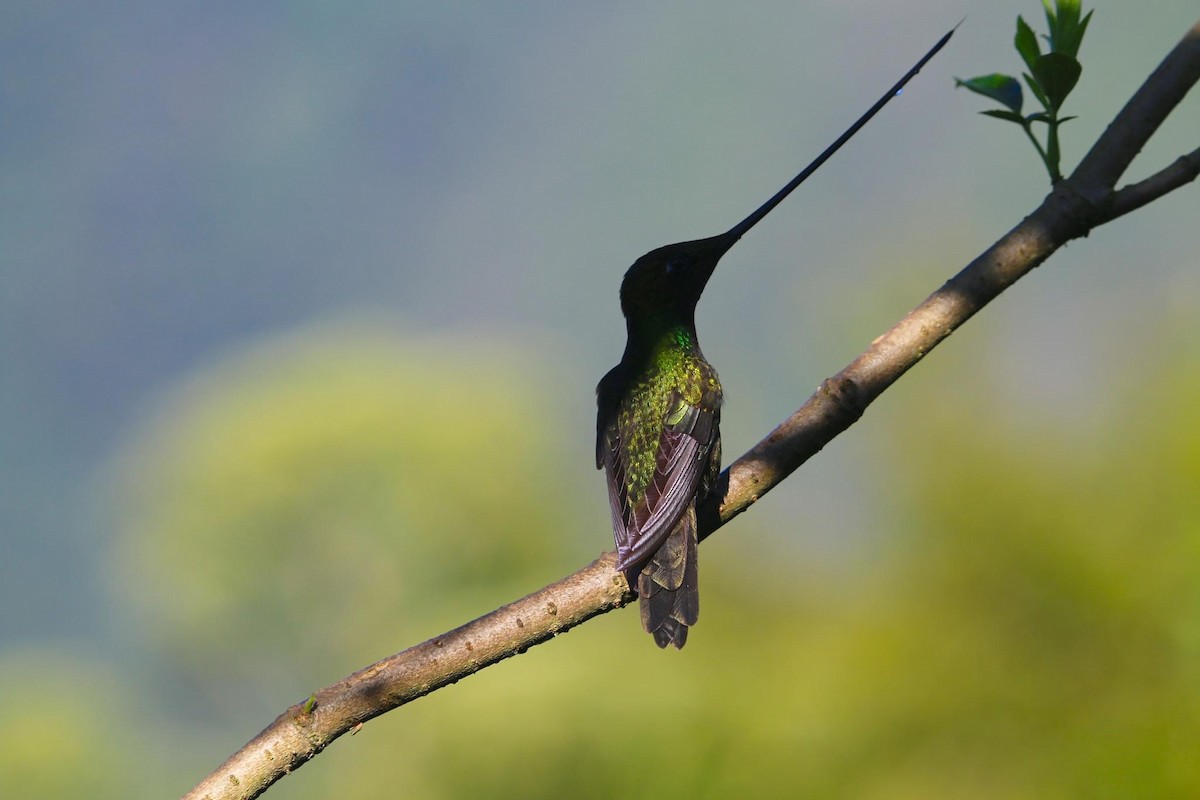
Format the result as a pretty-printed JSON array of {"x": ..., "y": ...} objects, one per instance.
[
  {"x": 672, "y": 377},
  {"x": 656, "y": 394}
]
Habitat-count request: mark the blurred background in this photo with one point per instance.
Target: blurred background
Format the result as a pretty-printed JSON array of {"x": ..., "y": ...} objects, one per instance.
[{"x": 302, "y": 306}]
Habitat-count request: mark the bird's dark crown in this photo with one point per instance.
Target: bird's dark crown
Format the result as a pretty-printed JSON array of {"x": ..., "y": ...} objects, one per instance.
[{"x": 666, "y": 283}]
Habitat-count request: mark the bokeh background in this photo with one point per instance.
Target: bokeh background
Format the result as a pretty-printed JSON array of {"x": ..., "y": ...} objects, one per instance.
[{"x": 301, "y": 310}]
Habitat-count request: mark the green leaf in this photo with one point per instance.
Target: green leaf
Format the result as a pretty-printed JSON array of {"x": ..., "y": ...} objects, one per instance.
[
  {"x": 1039, "y": 116},
  {"x": 1005, "y": 114},
  {"x": 1066, "y": 27},
  {"x": 1036, "y": 88},
  {"x": 1068, "y": 14},
  {"x": 1026, "y": 43},
  {"x": 1082, "y": 29},
  {"x": 1070, "y": 38},
  {"x": 1051, "y": 20},
  {"x": 1063, "y": 15},
  {"x": 1002, "y": 88},
  {"x": 1057, "y": 74}
]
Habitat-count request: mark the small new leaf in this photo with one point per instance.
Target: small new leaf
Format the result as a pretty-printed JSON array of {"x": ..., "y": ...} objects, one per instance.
[
  {"x": 1003, "y": 113},
  {"x": 1066, "y": 26},
  {"x": 1004, "y": 89},
  {"x": 1036, "y": 89},
  {"x": 1057, "y": 74},
  {"x": 1026, "y": 43},
  {"x": 1051, "y": 77},
  {"x": 1080, "y": 30}
]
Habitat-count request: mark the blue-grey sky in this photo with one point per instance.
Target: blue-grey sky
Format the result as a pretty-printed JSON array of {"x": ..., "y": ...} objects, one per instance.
[{"x": 179, "y": 179}]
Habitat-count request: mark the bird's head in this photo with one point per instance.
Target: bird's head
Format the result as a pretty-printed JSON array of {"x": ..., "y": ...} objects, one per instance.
[{"x": 666, "y": 283}]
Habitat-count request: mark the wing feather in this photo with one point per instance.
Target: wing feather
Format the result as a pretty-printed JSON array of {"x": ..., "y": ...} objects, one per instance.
[
  {"x": 655, "y": 530},
  {"x": 681, "y": 461}
]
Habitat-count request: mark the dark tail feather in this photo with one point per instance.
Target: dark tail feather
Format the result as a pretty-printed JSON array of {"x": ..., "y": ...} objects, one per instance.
[{"x": 670, "y": 599}]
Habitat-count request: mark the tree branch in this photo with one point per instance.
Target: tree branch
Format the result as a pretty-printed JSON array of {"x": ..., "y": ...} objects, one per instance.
[
  {"x": 1076, "y": 206},
  {"x": 1184, "y": 170},
  {"x": 1133, "y": 126}
]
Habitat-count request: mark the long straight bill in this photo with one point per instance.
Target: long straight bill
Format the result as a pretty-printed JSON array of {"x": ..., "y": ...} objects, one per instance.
[{"x": 749, "y": 222}]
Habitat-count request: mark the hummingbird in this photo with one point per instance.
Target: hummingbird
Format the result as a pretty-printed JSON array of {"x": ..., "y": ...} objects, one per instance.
[{"x": 659, "y": 412}]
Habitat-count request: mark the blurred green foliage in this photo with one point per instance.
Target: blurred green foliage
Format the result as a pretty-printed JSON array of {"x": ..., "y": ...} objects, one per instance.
[
  {"x": 335, "y": 492},
  {"x": 1032, "y": 628},
  {"x": 57, "y": 724}
]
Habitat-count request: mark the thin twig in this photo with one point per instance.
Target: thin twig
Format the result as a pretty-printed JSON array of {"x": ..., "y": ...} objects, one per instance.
[{"x": 1183, "y": 171}]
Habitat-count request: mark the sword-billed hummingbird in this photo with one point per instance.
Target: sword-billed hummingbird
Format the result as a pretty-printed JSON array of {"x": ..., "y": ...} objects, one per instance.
[{"x": 657, "y": 430}]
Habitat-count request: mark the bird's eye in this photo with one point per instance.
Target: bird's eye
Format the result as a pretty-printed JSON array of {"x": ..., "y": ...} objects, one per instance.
[{"x": 676, "y": 265}]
